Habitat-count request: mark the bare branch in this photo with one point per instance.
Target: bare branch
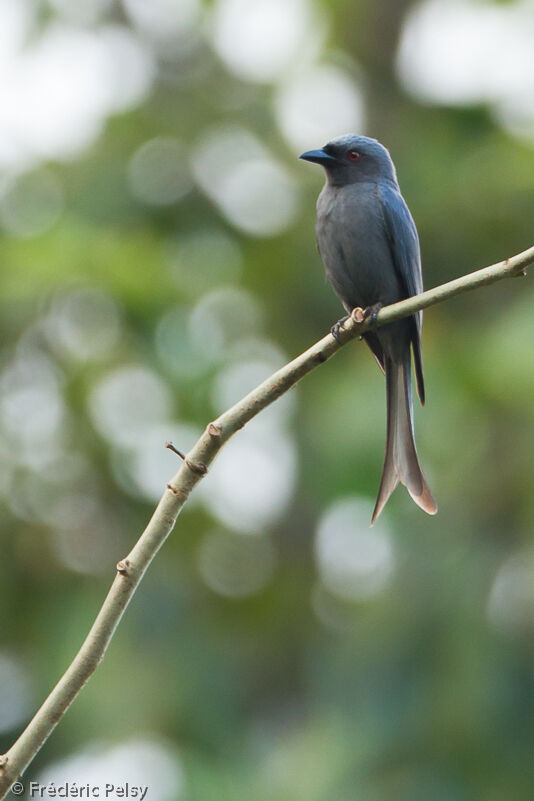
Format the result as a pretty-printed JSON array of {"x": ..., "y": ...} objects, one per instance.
[{"x": 131, "y": 569}]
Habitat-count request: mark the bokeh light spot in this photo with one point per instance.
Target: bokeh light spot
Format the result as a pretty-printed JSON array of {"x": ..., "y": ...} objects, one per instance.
[
  {"x": 31, "y": 204},
  {"x": 260, "y": 198},
  {"x": 15, "y": 695},
  {"x": 221, "y": 317},
  {"x": 177, "y": 350},
  {"x": 354, "y": 561},
  {"x": 317, "y": 105},
  {"x": 452, "y": 53},
  {"x": 252, "y": 481},
  {"x": 139, "y": 762},
  {"x": 146, "y": 466},
  {"x": 127, "y": 401},
  {"x": 251, "y": 188},
  {"x": 158, "y": 172},
  {"x": 190, "y": 342},
  {"x": 87, "y": 13},
  {"x": 84, "y": 324},
  {"x": 86, "y": 536},
  {"x": 32, "y": 409},
  {"x": 443, "y": 54},
  {"x": 236, "y": 565},
  {"x": 238, "y": 378},
  {"x": 59, "y": 90},
  {"x": 129, "y": 68},
  {"x": 511, "y": 600},
  {"x": 259, "y": 40},
  {"x": 203, "y": 259},
  {"x": 164, "y": 20},
  {"x": 180, "y": 353}
]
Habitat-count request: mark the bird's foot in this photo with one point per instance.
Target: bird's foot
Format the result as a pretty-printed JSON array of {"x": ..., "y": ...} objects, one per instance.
[
  {"x": 336, "y": 328},
  {"x": 370, "y": 313}
]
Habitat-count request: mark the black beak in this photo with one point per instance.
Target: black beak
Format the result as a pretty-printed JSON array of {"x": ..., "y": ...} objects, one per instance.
[{"x": 318, "y": 157}]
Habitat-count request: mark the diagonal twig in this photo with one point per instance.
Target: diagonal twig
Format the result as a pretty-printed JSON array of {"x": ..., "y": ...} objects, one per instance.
[{"x": 131, "y": 569}]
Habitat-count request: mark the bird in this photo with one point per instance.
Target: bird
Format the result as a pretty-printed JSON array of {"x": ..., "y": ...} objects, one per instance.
[{"x": 369, "y": 245}]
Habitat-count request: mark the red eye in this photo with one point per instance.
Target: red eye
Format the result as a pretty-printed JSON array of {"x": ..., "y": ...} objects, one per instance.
[{"x": 354, "y": 155}]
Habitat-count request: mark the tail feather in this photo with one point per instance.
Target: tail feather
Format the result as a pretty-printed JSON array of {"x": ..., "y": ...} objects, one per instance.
[
  {"x": 418, "y": 361},
  {"x": 401, "y": 462}
]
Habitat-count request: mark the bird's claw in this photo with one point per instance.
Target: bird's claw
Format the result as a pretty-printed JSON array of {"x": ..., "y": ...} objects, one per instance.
[
  {"x": 371, "y": 313},
  {"x": 336, "y": 328}
]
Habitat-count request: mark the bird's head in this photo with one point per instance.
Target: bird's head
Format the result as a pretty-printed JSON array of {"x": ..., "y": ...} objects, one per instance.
[{"x": 353, "y": 159}]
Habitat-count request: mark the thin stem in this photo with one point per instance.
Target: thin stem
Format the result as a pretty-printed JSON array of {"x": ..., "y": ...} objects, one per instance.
[{"x": 172, "y": 448}]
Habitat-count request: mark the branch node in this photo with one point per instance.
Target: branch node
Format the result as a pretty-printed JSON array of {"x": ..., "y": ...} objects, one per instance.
[
  {"x": 200, "y": 469},
  {"x": 123, "y": 567},
  {"x": 171, "y": 447},
  {"x": 4, "y": 759},
  {"x": 214, "y": 431},
  {"x": 358, "y": 314}
]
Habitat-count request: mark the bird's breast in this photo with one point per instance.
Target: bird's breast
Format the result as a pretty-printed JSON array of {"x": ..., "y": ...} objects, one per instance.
[{"x": 353, "y": 243}]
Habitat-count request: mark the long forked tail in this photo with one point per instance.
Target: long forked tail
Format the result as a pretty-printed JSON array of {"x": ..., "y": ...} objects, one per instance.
[{"x": 401, "y": 462}]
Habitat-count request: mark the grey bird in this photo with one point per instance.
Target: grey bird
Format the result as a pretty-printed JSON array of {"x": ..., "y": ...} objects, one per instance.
[{"x": 370, "y": 248}]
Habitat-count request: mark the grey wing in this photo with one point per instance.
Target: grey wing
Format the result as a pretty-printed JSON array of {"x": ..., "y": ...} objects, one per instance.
[{"x": 404, "y": 245}]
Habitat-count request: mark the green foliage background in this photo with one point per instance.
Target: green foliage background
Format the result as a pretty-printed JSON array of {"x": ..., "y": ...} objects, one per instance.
[{"x": 414, "y": 693}]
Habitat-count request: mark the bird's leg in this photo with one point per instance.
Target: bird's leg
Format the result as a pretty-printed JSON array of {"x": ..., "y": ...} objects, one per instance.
[{"x": 338, "y": 326}]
